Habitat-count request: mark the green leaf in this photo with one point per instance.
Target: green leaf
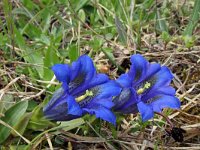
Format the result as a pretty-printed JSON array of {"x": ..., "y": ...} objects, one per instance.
[
  {"x": 81, "y": 15},
  {"x": 31, "y": 105},
  {"x": 37, "y": 121},
  {"x": 113, "y": 130},
  {"x": 80, "y": 4},
  {"x": 73, "y": 52},
  {"x": 6, "y": 102},
  {"x": 19, "y": 147},
  {"x": 22, "y": 124},
  {"x": 121, "y": 30},
  {"x": 20, "y": 11},
  {"x": 189, "y": 41},
  {"x": 96, "y": 43},
  {"x": 165, "y": 36},
  {"x": 65, "y": 125},
  {"x": 68, "y": 125},
  {"x": 12, "y": 117},
  {"x": 194, "y": 18},
  {"x": 30, "y": 55},
  {"x": 50, "y": 59},
  {"x": 161, "y": 24}
]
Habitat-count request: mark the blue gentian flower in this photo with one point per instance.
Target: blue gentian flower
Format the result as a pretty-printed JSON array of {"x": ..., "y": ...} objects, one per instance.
[
  {"x": 146, "y": 89},
  {"x": 83, "y": 91}
]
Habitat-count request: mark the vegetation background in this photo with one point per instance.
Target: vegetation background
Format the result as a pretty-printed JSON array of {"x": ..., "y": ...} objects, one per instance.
[{"x": 36, "y": 34}]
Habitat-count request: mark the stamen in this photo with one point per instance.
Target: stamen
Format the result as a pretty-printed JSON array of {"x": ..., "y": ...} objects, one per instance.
[
  {"x": 146, "y": 86},
  {"x": 82, "y": 97},
  {"x": 140, "y": 91}
]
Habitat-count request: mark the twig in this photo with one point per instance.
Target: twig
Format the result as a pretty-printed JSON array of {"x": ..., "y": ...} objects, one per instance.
[
  {"x": 7, "y": 125},
  {"x": 3, "y": 91},
  {"x": 49, "y": 141},
  {"x": 42, "y": 91}
]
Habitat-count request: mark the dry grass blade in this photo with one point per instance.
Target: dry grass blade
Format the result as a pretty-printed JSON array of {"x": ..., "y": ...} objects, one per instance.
[{"x": 7, "y": 125}]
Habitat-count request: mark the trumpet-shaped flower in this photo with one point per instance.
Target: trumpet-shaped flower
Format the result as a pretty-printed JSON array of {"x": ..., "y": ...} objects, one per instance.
[
  {"x": 83, "y": 91},
  {"x": 146, "y": 89}
]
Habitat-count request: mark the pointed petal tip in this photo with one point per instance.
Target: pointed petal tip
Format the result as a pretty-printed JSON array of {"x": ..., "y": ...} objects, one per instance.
[
  {"x": 62, "y": 72},
  {"x": 146, "y": 111},
  {"x": 124, "y": 80},
  {"x": 73, "y": 106},
  {"x": 102, "y": 113},
  {"x": 167, "y": 71},
  {"x": 166, "y": 101}
]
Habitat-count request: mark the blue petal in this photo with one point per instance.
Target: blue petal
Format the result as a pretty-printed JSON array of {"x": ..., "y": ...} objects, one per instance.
[
  {"x": 165, "y": 101},
  {"x": 107, "y": 103},
  {"x": 161, "y": 78},
  {"x": 55, "y": 99},
  {"x": 59, "y": 113},
  {"x": 126, "y": 101},
  {"x": 101, "y": 108},
  {"x": 131, "y": 109},
  {"x": 96, "y": 80},
  {"x": 82, "y": 71},
  {"x": 122, "y": 98},
  {"x": 124, "y": 80},
  {"x": 106, "y": 90},
  {"x": 62, "y": 72},
  {"x": 62, "y": 107},
  {"x": 103, "y": 113},
  {"x": 56, "y": 113},
  {"x": 88, "y": 67},
  {"x": 145, "y": 110},
  {"x": 102, "y": 91},
  {"x": 138, "y": 68},
  {"x": 159, "y": 84},
  {"x": 141, "y": 69},
  {"x": 57, "y": 106},
  {"x": 73, "y": 106},
  {"x": 152, "y": 69},
  {"x": 75, "y": 69},
  {"x": 166, "y": 90}
]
